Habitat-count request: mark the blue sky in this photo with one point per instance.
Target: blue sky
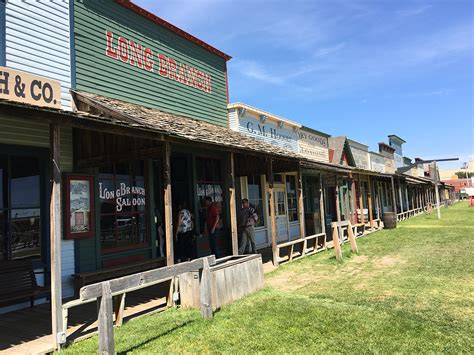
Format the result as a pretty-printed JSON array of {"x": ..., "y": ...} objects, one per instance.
[{"x": 364, "y": 69}]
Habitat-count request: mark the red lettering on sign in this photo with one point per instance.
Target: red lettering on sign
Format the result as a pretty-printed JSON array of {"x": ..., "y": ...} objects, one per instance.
[
  {"x": 148, "y": 59},
  {"x": 110, "y": 51},
  {"x": 123, "y": 49},
  {"x": 191, "y": 76},
  {"x": 140, "y": 56},
  {"x": 136, "y": 54},
  {"x": 182, "y": 73},
  {"x": 199, "y": 79},
  {"x": 173, "y": 74},
  {"x": 163, "y": 65}
]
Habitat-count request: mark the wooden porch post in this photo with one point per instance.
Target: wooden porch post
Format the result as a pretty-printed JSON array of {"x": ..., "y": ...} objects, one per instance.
[
  {"x": 57, "y": 326},
  {"x": 361, "y": 202},
  {"x": 369, "y": 197},
  {"x": 321, "y": 207},
  {"x": 338, "y": 210},
  {"x": 232, "y": 206},
  {"x": 272, "y": 212},
  {"x": 393, "y": 195},
  {"x": 168, "y": 204},
  {"x": 354, "y": 216},
  {"x": 400, "y": 195},
  {"x": 301, "y": 204},
  {"x": 406, "y": 197}
]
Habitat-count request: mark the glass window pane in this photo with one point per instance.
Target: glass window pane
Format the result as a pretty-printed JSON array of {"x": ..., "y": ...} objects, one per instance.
[
  {"x": 107, "y": 232},
  {"x": 24, "y": 182},
  {"x": 25, "y": 238}
]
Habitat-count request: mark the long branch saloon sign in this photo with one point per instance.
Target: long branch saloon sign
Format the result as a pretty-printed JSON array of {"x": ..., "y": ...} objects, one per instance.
[
  {"x": 124, "y": 196},
  {"x": 29, "y": 89},
  {"x": 137, "y": 55}
]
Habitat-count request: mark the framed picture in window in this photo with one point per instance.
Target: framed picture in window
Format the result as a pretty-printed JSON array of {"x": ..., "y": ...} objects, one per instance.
[{"x": 78, "y": 206}]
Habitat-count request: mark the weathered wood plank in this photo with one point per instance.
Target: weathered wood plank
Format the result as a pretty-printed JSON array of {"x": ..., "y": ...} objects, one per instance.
[
  {"x": 119, "y": 309},
  {"x": 233, "y": 209},
  {"x": 168, "y": 204},
  {"x": 206, "y": 291},
  {"x": 336, "y": 242},
  {"x": 106, "y": 323},
  {"x": 143, "y": 279},
  {"x": 58, "y": 330},
  {"x": 352, "y": 239}
]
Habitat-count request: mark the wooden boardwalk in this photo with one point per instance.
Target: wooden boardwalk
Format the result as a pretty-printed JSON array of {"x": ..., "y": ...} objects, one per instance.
[{"x": 28, "y": 331}]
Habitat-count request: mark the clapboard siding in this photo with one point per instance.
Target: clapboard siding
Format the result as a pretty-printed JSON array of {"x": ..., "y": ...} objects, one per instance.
[
  {"x": 233, "y": 120},
  {"x": 98, "y": 73},
  {"x": 37, "y": 41}
]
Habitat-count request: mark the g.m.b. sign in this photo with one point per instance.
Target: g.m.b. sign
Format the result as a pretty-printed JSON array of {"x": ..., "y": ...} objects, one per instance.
[{"x": 28, "y": 88}]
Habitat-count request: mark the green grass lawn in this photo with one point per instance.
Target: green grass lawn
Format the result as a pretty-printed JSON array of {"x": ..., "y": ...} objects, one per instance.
[{"x": 408, "y": 290}]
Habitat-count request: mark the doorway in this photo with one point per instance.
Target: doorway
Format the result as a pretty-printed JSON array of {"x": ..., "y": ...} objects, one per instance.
[{"x": 281, "y": 218}]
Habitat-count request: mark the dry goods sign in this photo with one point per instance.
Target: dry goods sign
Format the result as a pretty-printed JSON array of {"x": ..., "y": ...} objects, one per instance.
[{"x": 28, "y": 88}]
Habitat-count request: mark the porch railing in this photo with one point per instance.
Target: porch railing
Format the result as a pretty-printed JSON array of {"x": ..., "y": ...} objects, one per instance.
[{"x": 102, "y": 293}]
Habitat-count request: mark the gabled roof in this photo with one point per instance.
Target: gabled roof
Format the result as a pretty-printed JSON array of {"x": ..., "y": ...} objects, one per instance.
[{"x": 339, "y": 145}]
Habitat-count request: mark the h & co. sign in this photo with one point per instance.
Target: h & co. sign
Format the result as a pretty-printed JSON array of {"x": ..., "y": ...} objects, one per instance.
[{"x": 30, "y": 89}]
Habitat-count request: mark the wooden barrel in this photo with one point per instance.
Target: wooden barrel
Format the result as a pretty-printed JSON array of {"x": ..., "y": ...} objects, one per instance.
[{"x": 390, "y": 220}]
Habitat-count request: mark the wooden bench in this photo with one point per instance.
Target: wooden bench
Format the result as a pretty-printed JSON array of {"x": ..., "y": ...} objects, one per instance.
[
  {"x": 304, "y": 250},
  {"x": 86, "y": 278},
  {"x": 18, "y": 282},
  {"x": 356, "y": 227}
]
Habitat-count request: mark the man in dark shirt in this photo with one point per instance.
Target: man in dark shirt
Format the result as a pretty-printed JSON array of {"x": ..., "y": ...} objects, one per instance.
[
  {"x": 212, "y": 220},
  {"x": 246, "y": 223}
]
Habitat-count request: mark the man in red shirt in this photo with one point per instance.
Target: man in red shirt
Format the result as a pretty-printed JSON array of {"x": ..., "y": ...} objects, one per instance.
[{"x": 212, "y": 220}]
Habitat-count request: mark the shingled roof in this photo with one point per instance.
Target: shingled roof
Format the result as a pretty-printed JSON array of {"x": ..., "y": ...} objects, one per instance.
[{"x": 177, "y": 126}]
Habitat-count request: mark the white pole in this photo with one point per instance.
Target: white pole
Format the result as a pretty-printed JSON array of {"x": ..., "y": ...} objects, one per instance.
[{"x": 436, "y": 190}]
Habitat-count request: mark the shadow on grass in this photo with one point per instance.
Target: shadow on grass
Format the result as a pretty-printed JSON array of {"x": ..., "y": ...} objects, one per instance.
[{"x": 169, "y": 331}]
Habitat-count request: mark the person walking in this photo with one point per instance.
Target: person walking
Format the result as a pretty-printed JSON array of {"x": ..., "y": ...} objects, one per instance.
[
  {"x": 212, "y": 221},
  {"x": 184, "y": 233},
  {"x": 246, "y": 223}
]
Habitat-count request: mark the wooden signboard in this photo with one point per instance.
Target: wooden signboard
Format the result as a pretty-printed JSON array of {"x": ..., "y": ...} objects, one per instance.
[{"x": 29, "y": 89}]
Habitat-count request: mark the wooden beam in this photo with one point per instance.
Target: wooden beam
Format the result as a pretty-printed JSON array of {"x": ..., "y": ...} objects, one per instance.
[
  {"x": 369, "y": 197},
  {"x": 393, "y": 195},
  {"x": 321, "y": 209},
  {"x": 352, "y": 239},
  {"x": 143, "y": 279},
  {"x": 106, "y": 322},
  {"x": 272, "y": 211},
  {"x": 400, "y": 195},
  {"x": 206, "y": 291},
  {"x": 361, "y": 202},
  {"x": 406, "y": 198},
  {"x": 233, "y": 208},
  {"x": 59, "y": 333},
  {"x": 299, "y": 178},
  {"x": 168, "y": 204},
  {"x": 338, "y": 210},
  {"x": 336, "y": 242}
]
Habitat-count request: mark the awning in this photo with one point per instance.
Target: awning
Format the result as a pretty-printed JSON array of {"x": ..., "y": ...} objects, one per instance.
[{"x": 175, "y": 126}]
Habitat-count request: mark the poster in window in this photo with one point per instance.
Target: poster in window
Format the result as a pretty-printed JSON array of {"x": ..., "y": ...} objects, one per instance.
[{"x": 79, "y": 207}]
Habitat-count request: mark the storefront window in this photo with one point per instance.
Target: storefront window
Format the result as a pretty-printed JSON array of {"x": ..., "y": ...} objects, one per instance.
[
  {"x": 292, "y": 198},
  {"x": 122, "y": 196},
  {"x": 209, "y": 183},
  {"x": 20, "y": 208},
  {"x": 255, "y": 197}
]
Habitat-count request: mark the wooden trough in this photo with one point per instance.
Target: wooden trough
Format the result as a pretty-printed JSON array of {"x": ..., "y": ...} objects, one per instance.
[{"x": 232, "y": 278}]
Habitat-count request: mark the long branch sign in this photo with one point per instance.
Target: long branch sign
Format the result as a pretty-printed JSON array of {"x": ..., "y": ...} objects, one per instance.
[
  {"x": 137, "y": 55},
  {"x": 28, "y": 88}
]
